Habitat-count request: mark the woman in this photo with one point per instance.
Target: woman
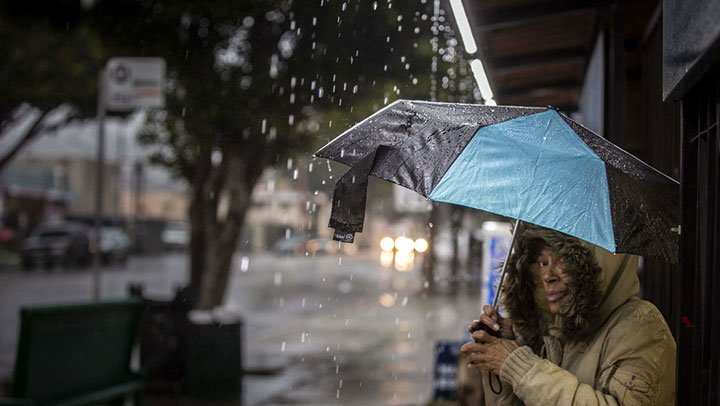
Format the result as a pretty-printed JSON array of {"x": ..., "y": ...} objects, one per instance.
[{"x": 576, "y": 333}]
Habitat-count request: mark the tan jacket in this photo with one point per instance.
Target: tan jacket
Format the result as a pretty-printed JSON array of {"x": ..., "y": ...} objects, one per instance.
[{"x": 629, "y": 359}]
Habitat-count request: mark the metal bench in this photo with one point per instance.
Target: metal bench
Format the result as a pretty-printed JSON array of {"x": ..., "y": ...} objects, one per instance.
[{"x": 76, "y": 354}]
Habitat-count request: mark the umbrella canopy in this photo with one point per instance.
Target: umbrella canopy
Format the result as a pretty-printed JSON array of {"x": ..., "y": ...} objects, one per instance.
[{"x": 532, "y": 164}]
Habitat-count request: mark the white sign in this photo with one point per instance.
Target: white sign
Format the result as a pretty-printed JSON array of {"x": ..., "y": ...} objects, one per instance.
[{"x": 134, "y": 83}]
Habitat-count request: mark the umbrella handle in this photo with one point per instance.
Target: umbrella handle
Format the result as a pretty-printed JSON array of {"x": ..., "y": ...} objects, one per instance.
[{"x": 504, "y": 267}]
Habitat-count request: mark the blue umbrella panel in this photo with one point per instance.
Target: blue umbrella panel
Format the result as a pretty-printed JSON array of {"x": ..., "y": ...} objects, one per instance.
[{"x": 532, "y": 164}]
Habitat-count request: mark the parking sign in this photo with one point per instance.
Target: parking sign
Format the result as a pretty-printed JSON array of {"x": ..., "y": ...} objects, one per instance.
[{"x": 134, "y": 83}]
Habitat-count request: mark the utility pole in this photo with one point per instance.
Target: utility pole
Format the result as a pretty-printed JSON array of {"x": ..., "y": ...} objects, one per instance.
[{"x": 99, "y": 183}]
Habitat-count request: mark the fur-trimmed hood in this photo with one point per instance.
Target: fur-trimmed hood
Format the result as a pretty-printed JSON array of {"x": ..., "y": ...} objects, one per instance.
[{"x": 601, "y": 282}]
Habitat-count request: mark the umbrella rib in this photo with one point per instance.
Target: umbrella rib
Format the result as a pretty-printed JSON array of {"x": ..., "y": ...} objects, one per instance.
[{"x": 362, "y": 122}]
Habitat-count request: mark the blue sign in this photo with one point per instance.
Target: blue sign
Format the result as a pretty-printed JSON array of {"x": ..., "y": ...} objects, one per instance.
[
  {"x": 446, "y": 369},
  {"x": 497, "y": 253}
]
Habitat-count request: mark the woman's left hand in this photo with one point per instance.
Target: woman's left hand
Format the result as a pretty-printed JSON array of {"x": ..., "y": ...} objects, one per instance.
[{"x": 488, "y": 352}]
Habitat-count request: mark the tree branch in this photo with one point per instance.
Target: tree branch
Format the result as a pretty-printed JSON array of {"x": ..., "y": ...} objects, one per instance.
[{"x": 56, "y": 117}]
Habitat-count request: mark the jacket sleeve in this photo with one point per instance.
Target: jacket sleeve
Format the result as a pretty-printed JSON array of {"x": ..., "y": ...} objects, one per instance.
[{"x": 636, "y": 353}]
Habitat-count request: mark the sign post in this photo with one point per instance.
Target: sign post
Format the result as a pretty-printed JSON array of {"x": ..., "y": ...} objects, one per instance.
[{"x": 125, "y": 84}]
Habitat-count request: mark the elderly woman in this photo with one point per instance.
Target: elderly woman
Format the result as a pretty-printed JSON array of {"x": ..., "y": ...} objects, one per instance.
[{"x": 575, "y": 332}]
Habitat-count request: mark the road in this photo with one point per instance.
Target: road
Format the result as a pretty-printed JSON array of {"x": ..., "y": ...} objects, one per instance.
[{"x": 338, "y": 329}]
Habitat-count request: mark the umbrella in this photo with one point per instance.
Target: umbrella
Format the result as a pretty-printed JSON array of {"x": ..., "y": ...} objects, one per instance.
[{"x": 531, "y": 164}]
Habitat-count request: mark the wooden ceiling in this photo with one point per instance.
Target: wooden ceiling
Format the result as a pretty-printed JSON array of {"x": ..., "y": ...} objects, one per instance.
[{"x": 536, "y": 52}]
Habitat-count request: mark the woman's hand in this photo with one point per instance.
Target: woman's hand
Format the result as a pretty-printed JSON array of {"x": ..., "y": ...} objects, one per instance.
[
  {"x": 488, "y": 352},
  {"x": 492, "y": 319}
]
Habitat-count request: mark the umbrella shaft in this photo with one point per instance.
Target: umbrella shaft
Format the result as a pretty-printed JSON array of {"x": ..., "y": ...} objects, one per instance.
[{"x": 504, "y": 267}]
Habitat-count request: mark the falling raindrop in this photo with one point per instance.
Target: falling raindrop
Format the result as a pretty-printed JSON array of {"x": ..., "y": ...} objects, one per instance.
[
  {"x": 278, "y": 279},
  {"x": 244, "y": 264},
  {"x": 282, "y": 346}
]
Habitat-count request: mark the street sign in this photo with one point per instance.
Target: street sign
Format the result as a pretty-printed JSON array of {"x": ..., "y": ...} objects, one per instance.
[{"x": 134, "y": 83}]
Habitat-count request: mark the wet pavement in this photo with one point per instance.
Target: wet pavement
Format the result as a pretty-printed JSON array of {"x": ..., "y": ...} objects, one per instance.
[{"x": 317, "y": 331}]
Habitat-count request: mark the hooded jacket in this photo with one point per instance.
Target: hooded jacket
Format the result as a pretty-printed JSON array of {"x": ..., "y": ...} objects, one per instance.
[{"x": 606, "y": 347}]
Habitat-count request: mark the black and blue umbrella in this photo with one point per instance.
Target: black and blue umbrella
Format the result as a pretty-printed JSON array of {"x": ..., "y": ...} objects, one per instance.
[{"x": 531, "y": 164}]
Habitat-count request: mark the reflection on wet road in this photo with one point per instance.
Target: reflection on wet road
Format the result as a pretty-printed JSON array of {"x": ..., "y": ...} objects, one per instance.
[{"x": 326, "y": 330}]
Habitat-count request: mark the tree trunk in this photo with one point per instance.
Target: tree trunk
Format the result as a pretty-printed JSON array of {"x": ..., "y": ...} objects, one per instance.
[
  {"x": 197, "y": 214},
  {"x": 198, "y": 240},
  {"x": 456, "y": 216},
  {"x": 429, "y": 262},
  {"x": 224, "y": 233}
]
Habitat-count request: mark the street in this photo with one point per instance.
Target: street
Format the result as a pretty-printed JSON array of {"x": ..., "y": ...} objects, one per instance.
[{"x": 330, "y": 329}]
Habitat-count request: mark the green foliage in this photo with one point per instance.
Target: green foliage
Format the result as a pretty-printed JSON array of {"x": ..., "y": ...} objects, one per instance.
[
  {"x": 260, "y": 77},
  {"x": 47, "y": 60}
]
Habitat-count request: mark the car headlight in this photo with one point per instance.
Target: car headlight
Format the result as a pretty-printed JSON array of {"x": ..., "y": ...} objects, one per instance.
[{"x": 387, "y": 244}]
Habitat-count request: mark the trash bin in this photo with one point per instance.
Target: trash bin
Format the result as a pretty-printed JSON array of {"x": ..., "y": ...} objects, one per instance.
[
  {"x": 213, "y": 356},
  {"x": 161, "y": 340}
]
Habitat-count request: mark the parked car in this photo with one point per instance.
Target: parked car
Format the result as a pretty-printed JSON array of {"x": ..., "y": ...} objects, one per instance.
[
  {"x": 114, "y": 245},
  {"x": 294, "y": 245},
  {"x": 176, "y": 235},
  {"x": 66, "y": 244}
]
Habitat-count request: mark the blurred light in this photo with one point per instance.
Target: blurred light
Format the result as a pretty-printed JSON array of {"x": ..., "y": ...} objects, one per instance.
[
  {"x": 386, "y": 258},
  {"x": 404, "y": 244},
  {"x": 404, "y": 261},
  {"x": 312, "y": 246},
  {"x": 463, "y": 26},
  {"x": 421, "y": 245},
  {"x": 387, "y": 244},
  {"x": 481, "y": 79},
  {"x": 387, "y": 300}
]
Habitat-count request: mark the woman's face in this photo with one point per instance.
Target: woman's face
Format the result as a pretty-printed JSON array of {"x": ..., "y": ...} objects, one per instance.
[{"x": 555, "y": 281}]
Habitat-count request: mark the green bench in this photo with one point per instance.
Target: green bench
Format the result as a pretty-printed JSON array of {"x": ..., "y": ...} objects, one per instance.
[{"x": 76, "y": 354}]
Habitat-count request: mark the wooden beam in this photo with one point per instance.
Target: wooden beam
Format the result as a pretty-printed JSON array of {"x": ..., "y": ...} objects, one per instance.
[
  {"x": 537, "y": 58},
  {"x": 509, "y": 17},
  {"x": 558, "y": 86}
]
